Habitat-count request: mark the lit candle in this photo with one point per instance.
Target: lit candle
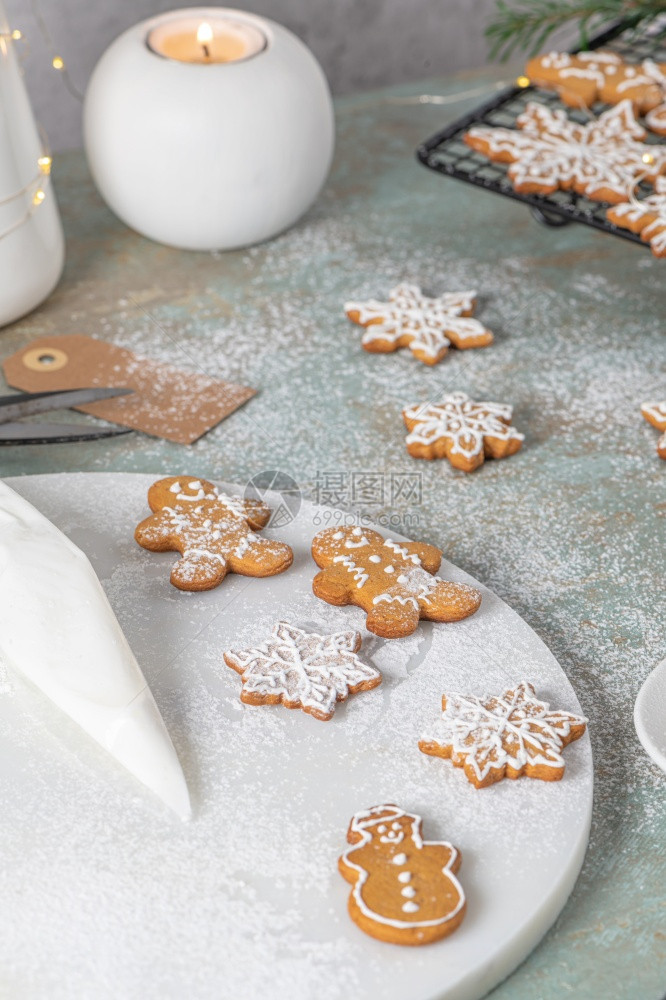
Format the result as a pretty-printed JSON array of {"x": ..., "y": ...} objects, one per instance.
[{"x": 217, "y": 38}]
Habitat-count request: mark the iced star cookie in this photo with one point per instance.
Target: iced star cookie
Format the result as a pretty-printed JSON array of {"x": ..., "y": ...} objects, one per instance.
[
  {"x": 647, "y": 217},
  {"x": 302, "y": 670},
  {"x": 405, "y": 888},
  {"x": 427, "y": 326},
  {"x": 214, "y": 533},
  {"x": 502, "y": 736},
  {"x": 461, "y": 430},
  {"x": 393, "y": 582},
  {"x": 548, "y": 151},
  {"x": 655, "y": 414}
]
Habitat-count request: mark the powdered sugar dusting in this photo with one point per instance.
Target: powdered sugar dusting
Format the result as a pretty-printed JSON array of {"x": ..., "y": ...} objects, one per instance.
[{"x": 249, "y": 891}]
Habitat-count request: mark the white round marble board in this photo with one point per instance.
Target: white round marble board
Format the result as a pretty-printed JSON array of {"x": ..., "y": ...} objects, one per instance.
[
  {"x": 650, "y": 715},
  {"x": 105, "y": 893}
]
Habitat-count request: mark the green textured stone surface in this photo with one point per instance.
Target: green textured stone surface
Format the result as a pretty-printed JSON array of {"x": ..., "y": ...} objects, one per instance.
[{"x": 570, "y": 532}]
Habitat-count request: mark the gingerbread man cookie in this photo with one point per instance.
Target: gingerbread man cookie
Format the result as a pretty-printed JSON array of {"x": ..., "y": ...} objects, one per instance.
[
  {"x": 214, "y": 533},
  {"x": 503, "y": 736},
  {"x": 655, "y": 414},
  {"x": 392, "y": 582},
  {"x": 461, "y": 430},
  {"x": 405, "y": 888},
  {"x": 427, "y": 326},
  {"x": 548, "y": 151},
  {"x": 586, "y": 77},
  {"x": 302, "y": 670}
]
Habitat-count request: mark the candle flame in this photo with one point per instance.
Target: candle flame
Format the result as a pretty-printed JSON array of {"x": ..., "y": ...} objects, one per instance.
[{"x": 204, "y": 33}]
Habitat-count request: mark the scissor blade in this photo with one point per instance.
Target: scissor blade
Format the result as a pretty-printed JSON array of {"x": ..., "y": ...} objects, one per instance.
[
  {"x": 28, "y": 403},
  {"x": 36, "y": 433}
]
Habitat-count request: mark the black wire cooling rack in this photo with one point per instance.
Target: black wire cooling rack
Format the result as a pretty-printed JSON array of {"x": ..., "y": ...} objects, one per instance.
[{"x": 447, "y": 153}]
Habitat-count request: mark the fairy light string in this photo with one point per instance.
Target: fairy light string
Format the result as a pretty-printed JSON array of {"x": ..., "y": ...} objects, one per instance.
[{"x": 34, "y": 191}]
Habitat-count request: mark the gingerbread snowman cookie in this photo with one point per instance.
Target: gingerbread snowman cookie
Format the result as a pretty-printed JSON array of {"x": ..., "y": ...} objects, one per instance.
[
  {"x": 405, "y": 889},
  {"x": 214, "y": 533},
  {"x": 393, "y": 582}
]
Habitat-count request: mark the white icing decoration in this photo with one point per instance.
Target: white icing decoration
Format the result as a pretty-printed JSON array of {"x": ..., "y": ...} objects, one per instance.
[
  {"x": 404, "y": 876},
  {"x": 338, "y": 535},
  {"x": 305, "y": 669},
  {"x": 399, "y": 859},
  {"x": 175, "y": 487},
  {"x": 389, "y": 569},
  {"x": 57, "y": 628},
  {"x": 392, "y": 838},
  {"x": 402, "y": 551},
  {"x": 410, "y": 908},
  {"x": 360, "y": 576},
  {"x": 408, "y": 892},
  {"x": 512, "y": 729},
  {"x": 463, "y": 422},
  {"x": 397, "y": 598},
  {"x": 349, "y": 544},
  {"x": 551, "y": 151},
  {"x": 375, "y": 559},
  {"x": 429, "y": 324}
]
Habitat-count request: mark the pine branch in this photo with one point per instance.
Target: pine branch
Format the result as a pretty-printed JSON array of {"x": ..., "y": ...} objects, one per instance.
[{"x": 529, "y": 23}]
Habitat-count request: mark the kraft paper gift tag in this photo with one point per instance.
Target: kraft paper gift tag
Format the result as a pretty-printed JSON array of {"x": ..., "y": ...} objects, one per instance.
[{"x": 166, "y": 401}]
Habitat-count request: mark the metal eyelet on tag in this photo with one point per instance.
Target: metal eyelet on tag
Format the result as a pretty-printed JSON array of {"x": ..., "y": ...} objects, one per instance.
[{"x": 45, "y": 359}]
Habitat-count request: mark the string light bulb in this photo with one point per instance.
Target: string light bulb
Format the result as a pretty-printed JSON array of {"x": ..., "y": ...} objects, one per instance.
[
  {"x": 17, "y": 35},
  {"x": 58, "y": 63},
  {"x": 44, "y": 163},
  {"x": 648, "y": 158},
  {"x": 38, "y": 197},
  {"x": 523, "y": 81}
]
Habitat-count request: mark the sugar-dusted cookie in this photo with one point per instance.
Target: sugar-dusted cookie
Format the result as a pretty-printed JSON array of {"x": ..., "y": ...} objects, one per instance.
[
  {"x": 302, "y": 670},
  {"x": 578, "y": 78},
  {"x": 583, "y": 78},
  {"x": 655, "y": 414},
  {"x": 461, "y": 430},
  {"x": 647, "y": 217},
  {"x": 214, "y": 533},
  {"x": 392, "y": 582},
  {"x": 427, "y": 326},
  {"x": 548, "y": 151},
  {"x": 405, "y": 888},
  {"x": 502, "y": 736}
]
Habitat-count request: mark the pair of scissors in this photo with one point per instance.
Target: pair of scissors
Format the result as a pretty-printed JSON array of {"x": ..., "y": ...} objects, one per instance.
[{"x": 14, "y": 408}]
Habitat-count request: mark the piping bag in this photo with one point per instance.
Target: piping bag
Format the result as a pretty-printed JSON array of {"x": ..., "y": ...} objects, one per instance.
[{"x": 58, "y": 630}]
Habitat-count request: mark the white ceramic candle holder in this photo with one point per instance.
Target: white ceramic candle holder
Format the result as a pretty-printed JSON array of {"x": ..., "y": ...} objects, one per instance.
[{"x": 208, "y": 128}]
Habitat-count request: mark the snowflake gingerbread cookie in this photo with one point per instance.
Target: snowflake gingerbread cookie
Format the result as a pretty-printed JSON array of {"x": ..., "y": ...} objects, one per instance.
[
  {"x": 655, "y": 414},
  {"x": 405, "y": 888},
  {"x": 461, "y": 430},
  {"x": 548, "y": 151},
  {"x": 214, "y": 533},
  {"x": 586, "y": 77},
  {"x": 427, "y": 326},
  {"x": 302, "y": 670},
  {"x": 503, "y": 736},
  {"x": 393, "y": 582},
  {"x": 647, "y": 217}
]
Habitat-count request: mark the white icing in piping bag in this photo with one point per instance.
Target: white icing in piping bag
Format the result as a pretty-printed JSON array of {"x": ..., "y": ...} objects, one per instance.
[{"x": 58, "y": 630}]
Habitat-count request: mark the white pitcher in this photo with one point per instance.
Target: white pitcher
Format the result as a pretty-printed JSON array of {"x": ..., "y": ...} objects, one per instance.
[{"x": 32, "y": 248}]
